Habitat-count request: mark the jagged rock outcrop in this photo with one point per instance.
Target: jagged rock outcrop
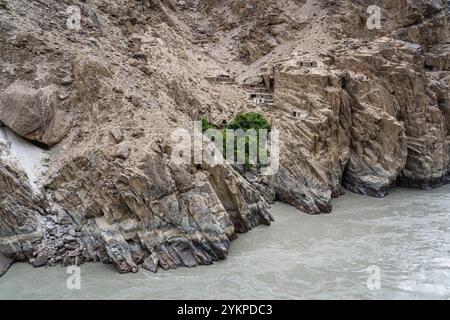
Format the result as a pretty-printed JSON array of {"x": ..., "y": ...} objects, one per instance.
[
  {"x": 316, "y": 142},
  {"x": 20, "y": 211},
  {"x": 175, "y": 215}
]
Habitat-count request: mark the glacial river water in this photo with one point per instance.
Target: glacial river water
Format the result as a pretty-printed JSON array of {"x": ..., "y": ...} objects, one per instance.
[{"x": 406, "y": 237}]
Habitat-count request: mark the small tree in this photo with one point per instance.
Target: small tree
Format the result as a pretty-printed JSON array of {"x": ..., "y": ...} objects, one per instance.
[
  {"x": 245, "y": 122},
  {"x": 248, "y": 121},
  {"x": 206, "y": 125}
]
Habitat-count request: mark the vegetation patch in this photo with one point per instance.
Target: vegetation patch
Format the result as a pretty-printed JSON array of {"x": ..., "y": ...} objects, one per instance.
[{"x": 248, "y": 130}]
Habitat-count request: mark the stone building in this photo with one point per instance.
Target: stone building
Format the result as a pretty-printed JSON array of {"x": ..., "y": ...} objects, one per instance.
[{"x": 260, "y": 98}]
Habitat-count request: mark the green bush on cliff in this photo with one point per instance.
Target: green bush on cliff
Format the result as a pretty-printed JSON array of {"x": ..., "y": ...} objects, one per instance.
[
  {"x": 206, "y": 125},
  {"x": 245, "y": 122},
  {"x": 249, "y": 120}
]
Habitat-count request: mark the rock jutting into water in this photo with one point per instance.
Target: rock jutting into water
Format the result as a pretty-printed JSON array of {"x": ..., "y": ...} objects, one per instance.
[{"x": 95, "y": 107}]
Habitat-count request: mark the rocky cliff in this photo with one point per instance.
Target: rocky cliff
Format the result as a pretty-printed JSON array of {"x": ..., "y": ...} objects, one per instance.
[{"x": 91, "y": 91}]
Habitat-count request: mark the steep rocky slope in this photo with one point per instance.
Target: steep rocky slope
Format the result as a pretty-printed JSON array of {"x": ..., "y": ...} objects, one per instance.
[{"x": 101, "y": 102}]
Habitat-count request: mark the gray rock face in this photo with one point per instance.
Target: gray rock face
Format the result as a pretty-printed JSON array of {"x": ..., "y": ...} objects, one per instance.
[
  {"x": 151, "y": 263},
  {"x": 177, "y": 218},
  {"x": 5, "y": 263},
  {"x": 20, "y": 210}
]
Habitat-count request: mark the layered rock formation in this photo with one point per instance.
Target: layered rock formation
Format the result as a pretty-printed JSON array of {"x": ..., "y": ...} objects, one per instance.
[{"x": 356, "y": 108}]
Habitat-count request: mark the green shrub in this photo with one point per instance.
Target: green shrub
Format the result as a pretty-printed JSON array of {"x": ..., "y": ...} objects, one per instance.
[
  {"x": 249, "y": 120},
  {"x": 244, "y": 121},
  {"x": 206, "y": 125}
]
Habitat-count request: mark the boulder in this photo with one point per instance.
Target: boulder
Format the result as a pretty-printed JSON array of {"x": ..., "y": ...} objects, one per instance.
[
  {"x": 33, "y": 114},
  {"x": 40, "y": 261},
  {"x": 117, "y": 135},
  {"x": 122, "y": 151},
  {"x": 151, "y": 263}
]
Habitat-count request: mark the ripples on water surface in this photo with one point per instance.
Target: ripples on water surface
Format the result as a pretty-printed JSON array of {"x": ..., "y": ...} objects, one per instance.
[{"x": 407, "y": 235}]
